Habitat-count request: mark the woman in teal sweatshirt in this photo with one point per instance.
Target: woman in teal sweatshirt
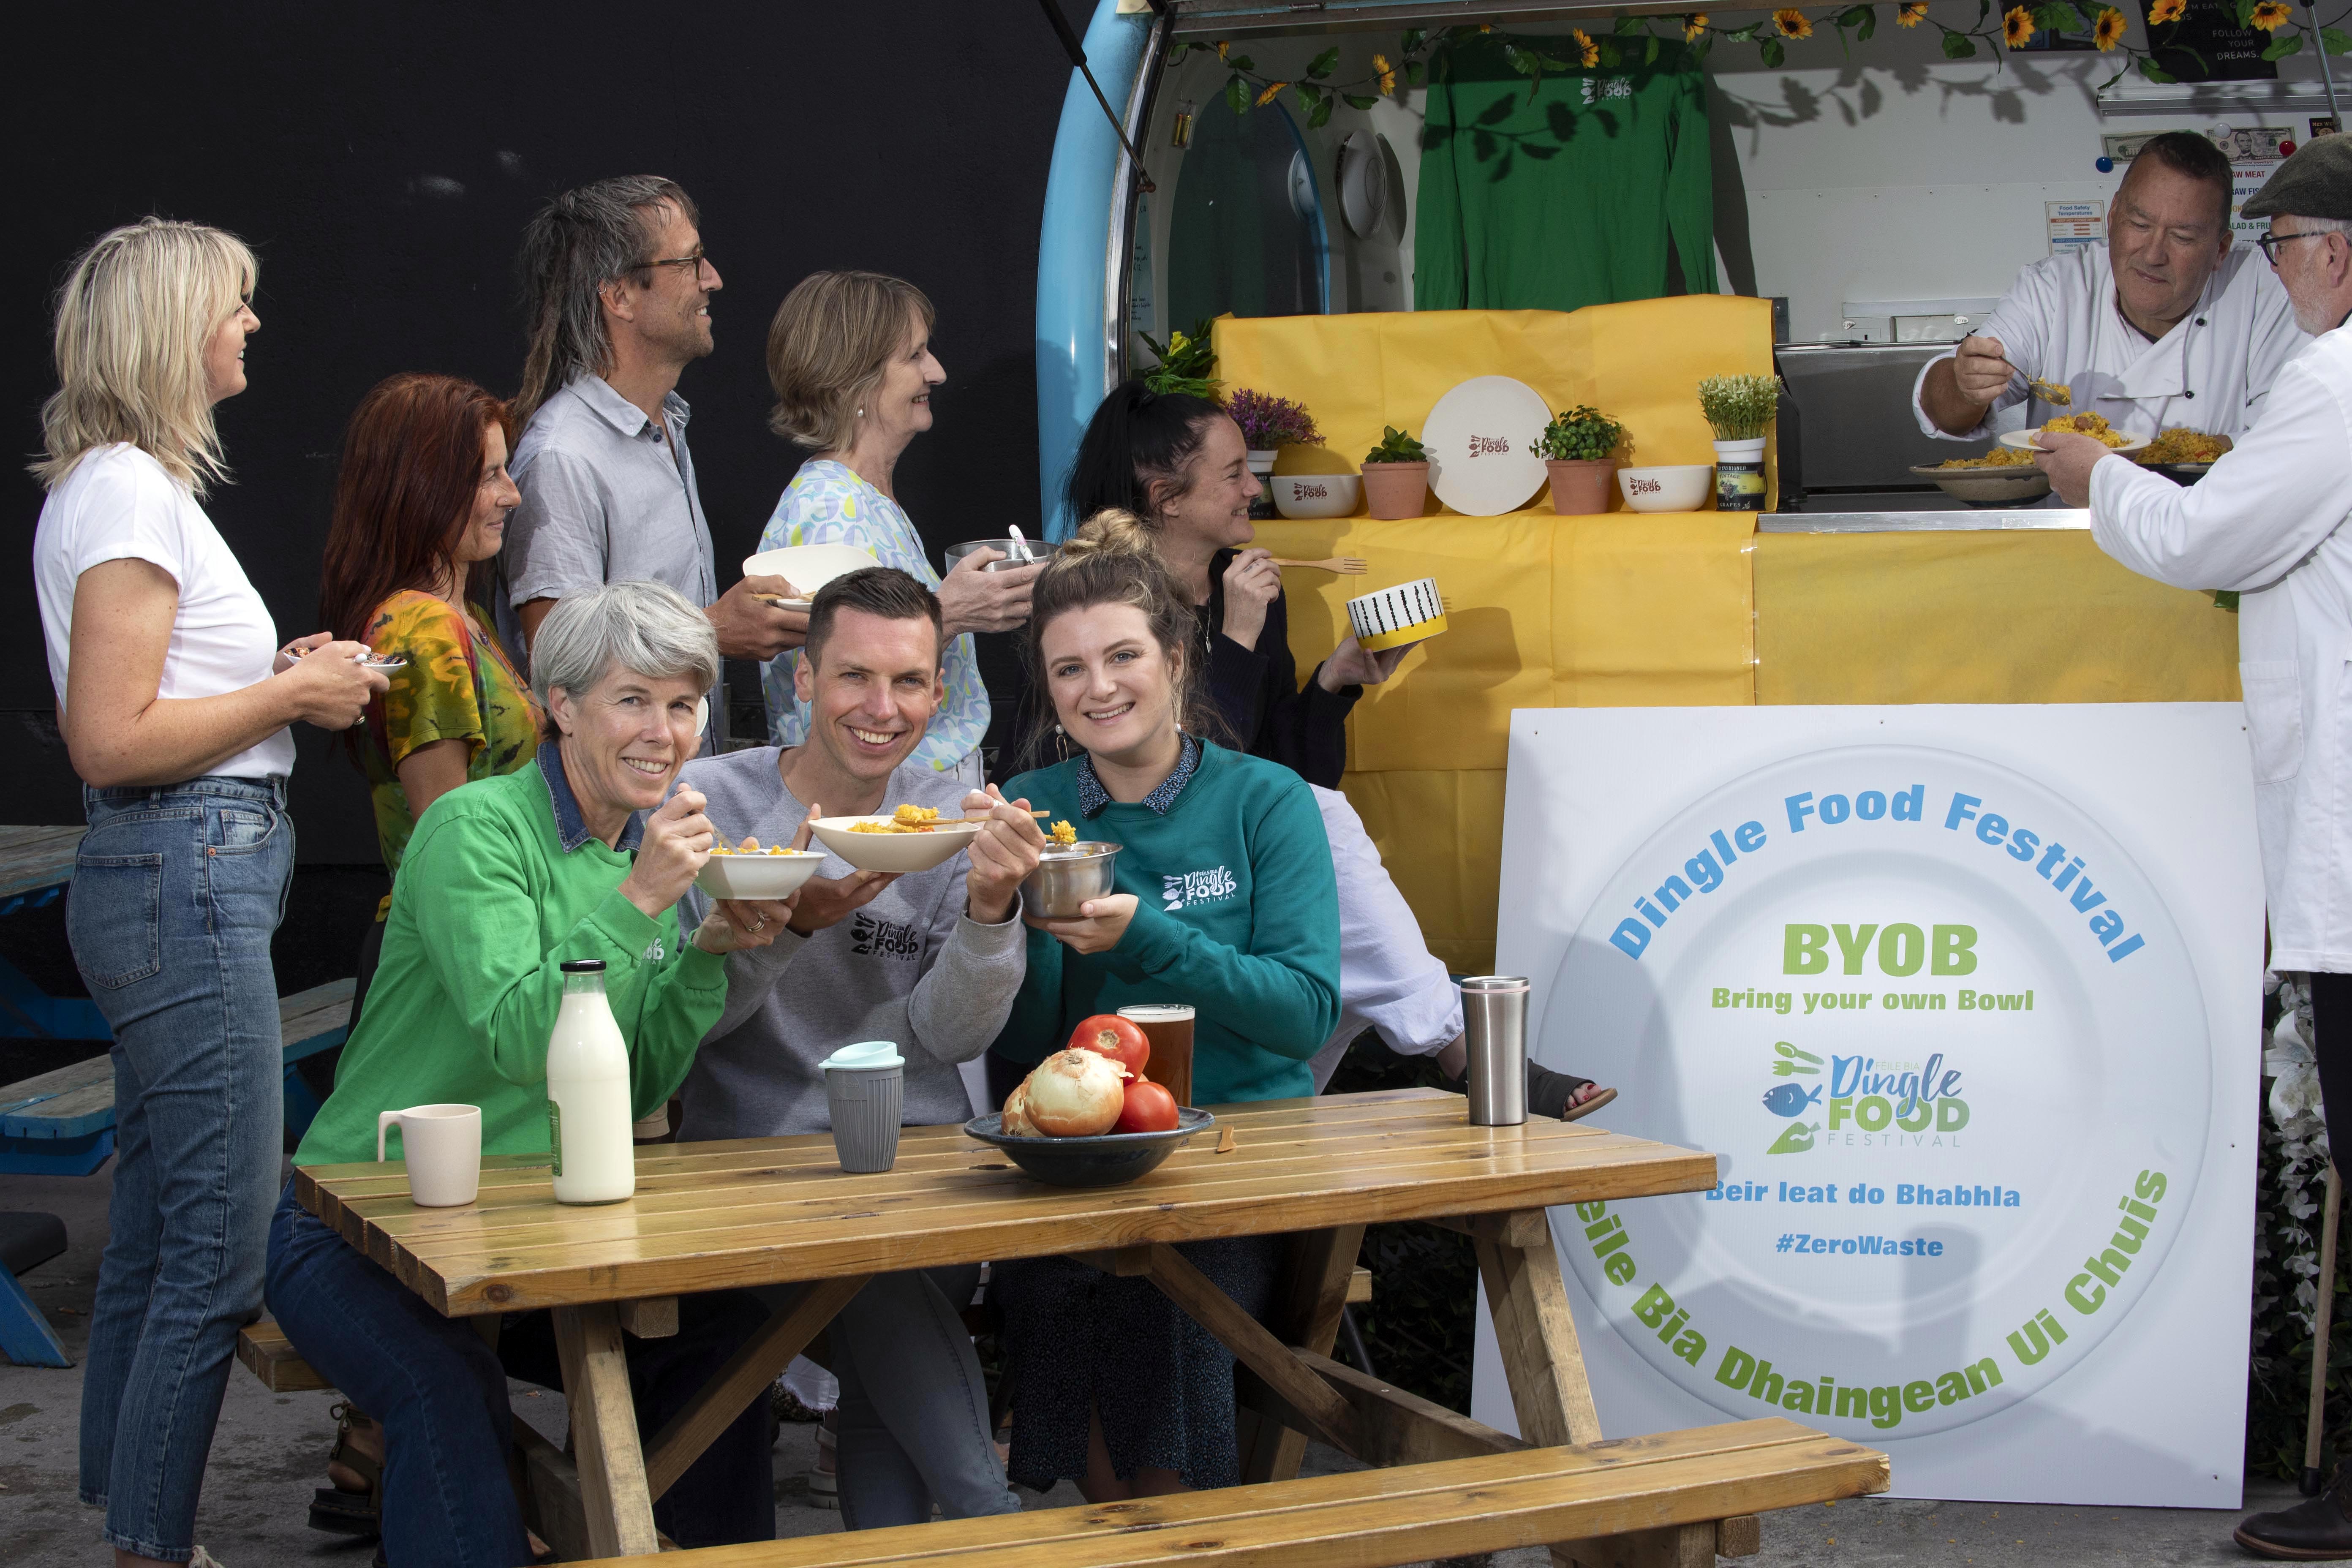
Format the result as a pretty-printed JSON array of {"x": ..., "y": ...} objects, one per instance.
[{"x": 1224, "y": 899}]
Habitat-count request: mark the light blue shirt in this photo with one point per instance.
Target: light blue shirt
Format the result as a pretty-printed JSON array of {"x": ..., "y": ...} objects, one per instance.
[{"x": 827, "y": 503}]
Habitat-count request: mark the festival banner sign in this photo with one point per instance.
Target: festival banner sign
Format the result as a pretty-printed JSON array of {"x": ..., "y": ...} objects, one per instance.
[{"x": 1967, "y": 1000}]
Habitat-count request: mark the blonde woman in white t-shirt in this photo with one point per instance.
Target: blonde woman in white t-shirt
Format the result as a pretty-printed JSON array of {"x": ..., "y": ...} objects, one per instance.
[{"x": 175, "y": 700}]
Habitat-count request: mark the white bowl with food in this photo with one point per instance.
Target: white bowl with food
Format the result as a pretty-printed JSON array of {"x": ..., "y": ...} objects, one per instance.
[
  {"x": 1672, "y": 486},
  {"x": 883, "y": 844},
  {"x": 807, "y": 568},
  {"x": 2006, "y": 485},
  {"x": 1309, "y": 495},
  {"x": 757, "y": 873}
]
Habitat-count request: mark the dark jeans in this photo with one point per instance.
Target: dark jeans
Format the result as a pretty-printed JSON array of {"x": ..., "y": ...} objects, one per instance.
[{"x": 441, "y": 1393}]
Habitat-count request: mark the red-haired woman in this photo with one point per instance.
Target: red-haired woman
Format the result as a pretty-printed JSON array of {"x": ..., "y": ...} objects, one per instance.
[{"x": 422, "y": 500}]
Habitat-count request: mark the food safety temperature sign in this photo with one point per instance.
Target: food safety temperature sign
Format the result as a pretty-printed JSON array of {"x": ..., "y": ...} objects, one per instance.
[{"x": 1966, "y": 1000}]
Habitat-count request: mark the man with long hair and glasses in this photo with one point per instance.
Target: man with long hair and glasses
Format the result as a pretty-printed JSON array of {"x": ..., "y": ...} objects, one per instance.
[{"x": 618, "y": 290}]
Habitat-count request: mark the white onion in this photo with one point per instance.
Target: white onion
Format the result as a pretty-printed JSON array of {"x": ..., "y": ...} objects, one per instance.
[
  {"x": 1017, "y": 1123},
  {"x": 1075, "y": 1094}
]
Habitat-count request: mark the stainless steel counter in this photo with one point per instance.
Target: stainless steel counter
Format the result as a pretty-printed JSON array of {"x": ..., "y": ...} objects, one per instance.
[{"x": 1969, "y": 521}]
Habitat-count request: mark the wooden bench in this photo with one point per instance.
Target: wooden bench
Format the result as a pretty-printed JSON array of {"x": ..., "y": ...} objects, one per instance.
[
  {"x": 1634, "y": 1503},
  {"x": 61, "y": 1123}
]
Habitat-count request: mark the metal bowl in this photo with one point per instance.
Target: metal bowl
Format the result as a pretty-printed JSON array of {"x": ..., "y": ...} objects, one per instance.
[
  {"x": 2182, "y": 474},
  {"x": 1039, "y": 551},
  {"x": 1105, "y": 1161},
  {"x": 1065, "y": 879}
]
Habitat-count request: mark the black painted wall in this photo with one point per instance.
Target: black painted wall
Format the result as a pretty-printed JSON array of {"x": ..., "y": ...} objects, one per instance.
[{"x": 382, "y": 158}]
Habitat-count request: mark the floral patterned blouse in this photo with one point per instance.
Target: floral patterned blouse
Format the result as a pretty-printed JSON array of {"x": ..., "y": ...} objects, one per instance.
[
  {"x": 827, "y": 503},
  {"x": 456, "y": 686}
]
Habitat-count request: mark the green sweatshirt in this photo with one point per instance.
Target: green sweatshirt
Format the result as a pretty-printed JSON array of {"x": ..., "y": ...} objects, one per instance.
[
  {"x": 1567, "y": 199},
  {"x": 489, "y": 902},
  {"x": 1236, "y": 912}
]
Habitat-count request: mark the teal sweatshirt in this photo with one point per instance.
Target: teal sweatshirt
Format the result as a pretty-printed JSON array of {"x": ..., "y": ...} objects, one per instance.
[
  {"x": 1236, "y": 912},
  {"x": 489, "y": 902}
]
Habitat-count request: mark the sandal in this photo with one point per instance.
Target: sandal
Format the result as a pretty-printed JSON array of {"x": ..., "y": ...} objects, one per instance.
[{"x": 349, "y": 1513}]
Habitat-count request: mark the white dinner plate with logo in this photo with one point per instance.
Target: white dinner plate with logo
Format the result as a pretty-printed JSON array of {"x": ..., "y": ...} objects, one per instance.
[{"x": 1481, "y": 438}]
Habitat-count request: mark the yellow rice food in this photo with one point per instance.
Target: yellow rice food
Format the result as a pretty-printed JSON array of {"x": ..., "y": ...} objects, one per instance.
[
  {"x": 1998, "y": 458},
  {"x": 2095, "y": 426},
  {"x": 906, "y": 819},
  {"x": 1065, "y": 835},
  {"x": 2182, "y": 445}
]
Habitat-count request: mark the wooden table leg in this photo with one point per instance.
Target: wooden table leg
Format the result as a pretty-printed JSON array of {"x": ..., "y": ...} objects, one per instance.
[
  {"x": 1537, "y": 1335},
  {"x": 1306, "y": 1313},
  {"x": 1544, "y": 1365},
  {"x": 613, "y": 1491}
]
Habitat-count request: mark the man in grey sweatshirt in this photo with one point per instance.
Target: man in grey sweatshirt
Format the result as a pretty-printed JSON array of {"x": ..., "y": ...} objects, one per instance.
[{"x": 930, "y": 960}]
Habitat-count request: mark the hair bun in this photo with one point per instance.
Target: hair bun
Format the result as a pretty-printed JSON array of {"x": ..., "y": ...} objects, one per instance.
[{"x": 1110, "y": 533}]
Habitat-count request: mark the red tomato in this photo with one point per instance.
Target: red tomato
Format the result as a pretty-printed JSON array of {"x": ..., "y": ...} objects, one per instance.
[
  {"x": 1150, "y": 1109},
  {"x": 1112, "y": 1035}
]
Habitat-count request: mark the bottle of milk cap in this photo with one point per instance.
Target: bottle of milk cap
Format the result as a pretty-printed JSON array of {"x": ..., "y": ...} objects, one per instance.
[{"x": 588, "y": 1120}]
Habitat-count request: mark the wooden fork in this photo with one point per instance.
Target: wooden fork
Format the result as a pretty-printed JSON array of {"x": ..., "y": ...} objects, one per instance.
[{"x": 1346, "y": 566}]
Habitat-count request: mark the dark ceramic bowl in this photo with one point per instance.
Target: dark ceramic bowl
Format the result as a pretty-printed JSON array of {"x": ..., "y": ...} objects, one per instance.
[
  {"x": 1109, "y": 1161},
  {"x": 2183, "y": 473}
]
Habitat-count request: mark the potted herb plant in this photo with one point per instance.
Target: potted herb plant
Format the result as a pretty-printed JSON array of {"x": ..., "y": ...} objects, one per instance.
[
  {"x": 1578, "y": 450},
  {"x": 1396, "y": 475},
  {"x": 1270, "y": 424},
  {"x": 1739, "y": 409}
]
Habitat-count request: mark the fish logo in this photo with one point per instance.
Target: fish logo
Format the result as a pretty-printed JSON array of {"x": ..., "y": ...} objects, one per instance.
[{"x": 1790, "y": 1100}]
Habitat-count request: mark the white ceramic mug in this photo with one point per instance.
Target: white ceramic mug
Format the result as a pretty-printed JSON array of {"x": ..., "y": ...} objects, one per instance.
[{"x": 443, "y": 1145}]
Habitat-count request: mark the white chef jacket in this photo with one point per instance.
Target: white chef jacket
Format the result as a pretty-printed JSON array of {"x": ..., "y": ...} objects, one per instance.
[
  {"x": 2269, "y": 521},
  {"x": 2060, "y": 321}
]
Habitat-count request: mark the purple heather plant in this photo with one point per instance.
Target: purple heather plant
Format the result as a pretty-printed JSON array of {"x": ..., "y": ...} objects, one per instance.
[{"x": 1270, "y": 422}]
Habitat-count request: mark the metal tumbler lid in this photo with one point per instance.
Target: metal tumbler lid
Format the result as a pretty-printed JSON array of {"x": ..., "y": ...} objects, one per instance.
[{"x": 1494, "y": 983}]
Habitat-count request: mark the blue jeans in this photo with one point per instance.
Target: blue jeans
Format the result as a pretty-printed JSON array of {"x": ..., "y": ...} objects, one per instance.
[
  {"x": 914, "y": 1410},
  {"x": 441, "y": 1393},
  {"x": 176, "y": 890}
]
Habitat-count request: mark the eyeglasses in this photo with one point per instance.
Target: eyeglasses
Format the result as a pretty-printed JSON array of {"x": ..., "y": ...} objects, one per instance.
[
  {"x": 697, "y": 259},
  {"x": 2271, "y": 242}
]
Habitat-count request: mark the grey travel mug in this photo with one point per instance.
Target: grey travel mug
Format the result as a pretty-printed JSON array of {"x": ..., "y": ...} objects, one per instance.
[
  {"x": 1494, "y": 1030},
  {"x": 866, "y": 1103}
]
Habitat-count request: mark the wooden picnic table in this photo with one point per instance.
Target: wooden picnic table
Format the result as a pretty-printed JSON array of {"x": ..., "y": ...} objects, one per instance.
[
  {"x": 36, "y": 864},
  {"x": 709, "y": 1216}
]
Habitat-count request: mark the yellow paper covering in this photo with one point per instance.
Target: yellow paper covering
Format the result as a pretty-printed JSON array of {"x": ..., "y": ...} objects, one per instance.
[
  {"x": 1623, "y": 610},
  {"x": 1640, "y": 362},
  {"x": 2010, "y": 616}
]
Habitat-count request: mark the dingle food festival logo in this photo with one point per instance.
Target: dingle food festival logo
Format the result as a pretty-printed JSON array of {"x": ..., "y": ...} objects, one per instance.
[{"x": 1919, "y": 1105}]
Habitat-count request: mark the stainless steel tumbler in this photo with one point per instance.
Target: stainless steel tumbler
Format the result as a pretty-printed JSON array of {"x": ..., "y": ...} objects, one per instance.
[{"x": 1494, "y": 1030}]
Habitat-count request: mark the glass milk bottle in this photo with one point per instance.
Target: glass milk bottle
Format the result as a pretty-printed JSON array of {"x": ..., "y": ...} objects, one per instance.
[{"x": 588, "y": 1117}]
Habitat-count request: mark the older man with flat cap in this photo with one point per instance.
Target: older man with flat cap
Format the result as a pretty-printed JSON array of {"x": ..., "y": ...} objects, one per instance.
[{"x": 2270, "y": 520}]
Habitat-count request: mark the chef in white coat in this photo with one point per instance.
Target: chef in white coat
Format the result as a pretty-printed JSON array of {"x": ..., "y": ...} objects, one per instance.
[
  {"x": 2270, "y": 520},
  {"x": 2166, "y": 323}
]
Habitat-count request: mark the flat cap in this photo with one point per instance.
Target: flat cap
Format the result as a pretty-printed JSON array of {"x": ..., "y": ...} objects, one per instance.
[{"x": 2315, "y": 183}]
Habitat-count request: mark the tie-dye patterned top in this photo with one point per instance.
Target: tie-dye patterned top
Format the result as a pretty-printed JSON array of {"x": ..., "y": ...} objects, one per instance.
[
  {"x": 441, "y": 694},
  {"x": 827, "y": 503}
]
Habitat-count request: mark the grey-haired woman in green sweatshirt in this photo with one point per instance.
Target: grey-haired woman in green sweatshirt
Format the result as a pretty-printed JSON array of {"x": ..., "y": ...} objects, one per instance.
[{"x": 1224, "y": 899}]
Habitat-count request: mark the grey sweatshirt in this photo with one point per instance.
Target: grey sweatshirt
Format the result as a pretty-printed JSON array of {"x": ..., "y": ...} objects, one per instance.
[{"x": 908, "y": 967}]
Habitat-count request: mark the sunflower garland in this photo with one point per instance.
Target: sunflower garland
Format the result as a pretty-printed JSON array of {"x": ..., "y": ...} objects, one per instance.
[{"x": 1635, "y": 43}]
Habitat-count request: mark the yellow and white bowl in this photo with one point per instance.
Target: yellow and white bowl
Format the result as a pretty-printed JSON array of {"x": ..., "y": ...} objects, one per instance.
[{"x": 1394, "y": 617}]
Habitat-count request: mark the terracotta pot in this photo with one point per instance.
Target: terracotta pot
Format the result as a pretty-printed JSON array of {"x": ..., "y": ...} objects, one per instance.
[
  {"x": 1580, "y": 486},
  {"x": 1396, "y": 489}
]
